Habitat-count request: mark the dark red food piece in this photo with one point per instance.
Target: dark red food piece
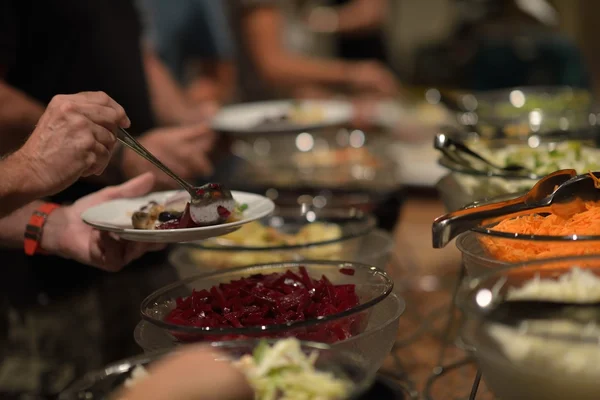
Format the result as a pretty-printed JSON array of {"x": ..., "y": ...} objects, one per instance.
[
  {"x": 223, "y": 212},
  {"x": 347, "y": 271},
  {"x": 186, "y": 220},
  {"x": 263, "y": 300},
  {"x": 172, "y": 224}
]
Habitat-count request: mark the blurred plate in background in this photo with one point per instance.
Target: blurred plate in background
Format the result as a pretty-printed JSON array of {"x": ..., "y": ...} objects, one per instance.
[{"x": 281, "y": 116}]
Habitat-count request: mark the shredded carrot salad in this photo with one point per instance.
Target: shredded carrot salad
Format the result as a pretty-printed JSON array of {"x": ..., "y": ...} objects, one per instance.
[{"x": 584, "y": 221}]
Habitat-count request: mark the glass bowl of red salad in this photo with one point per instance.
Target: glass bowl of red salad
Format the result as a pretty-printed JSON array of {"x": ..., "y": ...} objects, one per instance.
[{"x": 321, "y": 301}]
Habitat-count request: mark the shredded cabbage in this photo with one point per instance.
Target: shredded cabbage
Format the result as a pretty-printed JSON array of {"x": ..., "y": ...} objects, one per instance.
[{"x": 284, "y": 372}]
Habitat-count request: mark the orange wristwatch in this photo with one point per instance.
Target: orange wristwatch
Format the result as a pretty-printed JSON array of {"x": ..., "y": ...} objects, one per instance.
[{"x": 35, "y": 228}]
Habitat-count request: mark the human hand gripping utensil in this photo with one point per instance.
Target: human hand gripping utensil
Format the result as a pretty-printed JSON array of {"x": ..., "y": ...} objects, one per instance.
[
  {"x": 452, "y": 149},
  {"x": 545, "y": 196},
  {"x": 210, "y": 204}
]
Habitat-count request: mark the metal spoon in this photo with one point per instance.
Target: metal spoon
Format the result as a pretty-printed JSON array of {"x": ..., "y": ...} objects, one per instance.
[
  {"x": 538, "y": 199},
  {"x": 210, "y": 204},
  {"x": 450, "y": 147}
]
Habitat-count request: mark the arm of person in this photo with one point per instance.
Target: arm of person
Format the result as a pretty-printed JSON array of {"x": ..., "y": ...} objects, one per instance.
[
  {"x": 17, "y": 186},
  {"x": 18, "y": 115},
  {"x": 65, "y": 234},
  {"x": 353, "y": 18},
  {"x": 12, "y": 225},
  {"x": 263, "y": 27},
  {"x": 169, "y": 100},
  {"x": 213, "y": 80}
]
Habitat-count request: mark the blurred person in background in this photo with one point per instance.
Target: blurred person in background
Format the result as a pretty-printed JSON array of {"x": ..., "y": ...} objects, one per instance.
[
  {"x": 193, "y": 39},
  {"x": 278, "y": 55},
  {"x": 357, "y": 26}
]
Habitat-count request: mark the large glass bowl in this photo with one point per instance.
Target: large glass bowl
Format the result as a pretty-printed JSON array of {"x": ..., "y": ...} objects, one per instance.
[
  {"x": 325, "y": 234},
  {"x": 373, "y": 344},
  {"x": 372, "y": 285},
  {"x": 519, "y": 111},
  {"x": 102, "y": 385},
  {"x": 358, "y": 242},
  {"x": 330, "y": 158},
  {"x": 485, "y": 249},
  {"x": 480, "y": 182},
  {"x": 533, "y": 360}
]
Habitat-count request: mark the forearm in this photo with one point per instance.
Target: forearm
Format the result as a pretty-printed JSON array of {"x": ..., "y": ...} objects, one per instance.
[
  {"x": 19, "y": 114},
  {"x": 17, "y": 186},
  {"x": 12, "y": 226},
  {"x": 289, "y": 70},
  {"x": 361, "y": 16},
  {"x": 263, "y": 27},
  {"x": 168, "y": 99}
]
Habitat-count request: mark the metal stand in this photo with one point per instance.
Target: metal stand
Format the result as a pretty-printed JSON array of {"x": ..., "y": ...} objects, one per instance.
[
  {"x": 451, "y": 312},
  {"x": 440, "y": 369}
]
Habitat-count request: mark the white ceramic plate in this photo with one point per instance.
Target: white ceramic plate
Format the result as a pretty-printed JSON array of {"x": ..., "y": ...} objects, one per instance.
[
  {"x": 115, "y": 216},
  {"x": 239, "y": 119}
]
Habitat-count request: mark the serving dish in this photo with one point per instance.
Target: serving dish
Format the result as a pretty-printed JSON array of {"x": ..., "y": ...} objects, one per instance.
[
  {"x": 337, "y": 306},
  {"x": 291, "y": 234},
  {"x": 539, "y": 154},
  {"x": 330, "y": 158},
  {"x": 541, "y": 359},
  {"x": 103, "y": 384},
  {"x": 116, "y": 216},
  {"x": 373, "y": 344},
  {"x": 520, "y": 111},
  {"x": 489, "y": 247},
  {"x": 281, "y": 116}
]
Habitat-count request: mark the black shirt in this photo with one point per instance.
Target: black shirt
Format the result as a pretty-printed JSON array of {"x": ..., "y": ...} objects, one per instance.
[
  {"x": 50, "y": 47},
  {"x": 67, "y": 46},
  {"x": 55, "y": 47}
]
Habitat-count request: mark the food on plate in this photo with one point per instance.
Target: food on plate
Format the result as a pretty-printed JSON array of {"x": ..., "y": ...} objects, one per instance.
[
  {"x": 280, "y": 372},
  {"x": 256, "y": 235},
  {"x": 272, "y": 299},
  {"x": 178, "y": 213},
  {"x": 284, "y": 372},
  {"x": 585, "y": 220},
  {"x": 299, "y": 113}
]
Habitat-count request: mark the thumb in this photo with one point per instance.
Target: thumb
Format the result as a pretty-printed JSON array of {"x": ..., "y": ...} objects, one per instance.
[{"x": 135, "y": 187}]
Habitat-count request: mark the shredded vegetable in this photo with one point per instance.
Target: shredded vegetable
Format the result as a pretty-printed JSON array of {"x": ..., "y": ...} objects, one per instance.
[
  {"x": 284, "y": 372},
  {"x": 581, "y": 218}
]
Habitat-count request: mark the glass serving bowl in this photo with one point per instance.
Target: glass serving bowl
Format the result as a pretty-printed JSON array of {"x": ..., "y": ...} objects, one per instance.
[
  {"x": 372, "y": 285},
  {"x": 547, "y": 359},
  {"x": 479, "y": 182},
  {"x": 485, "y": 249},
  {"x": 101, "y": 385},
  {"x": 373, "y": 344},
  {"x": 519, "y": 111},
  {"x": 331, "y": 234},
  {"x": 329, "y": 158}
]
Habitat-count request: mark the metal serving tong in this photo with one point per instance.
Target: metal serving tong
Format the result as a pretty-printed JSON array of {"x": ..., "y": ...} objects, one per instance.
[
  {"x": 560, "y": 192},
  {"x": 454, "y": 150}
]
